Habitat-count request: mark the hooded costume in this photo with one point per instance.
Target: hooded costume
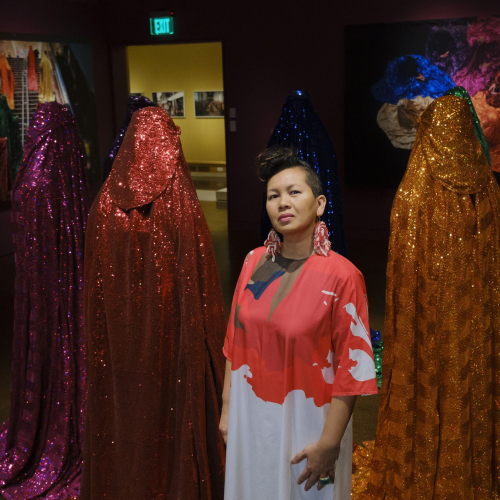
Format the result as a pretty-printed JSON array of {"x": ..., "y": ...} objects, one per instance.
[
  {"x": 439, "y": 421},
  {"x": 155, "y": 328},
  {"x": 41, "y": 443}
]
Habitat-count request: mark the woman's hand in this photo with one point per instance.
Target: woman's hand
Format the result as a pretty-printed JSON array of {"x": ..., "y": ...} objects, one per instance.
[
  {"x": 321, "y": 462},
  {"x": 223, "y": 422}
]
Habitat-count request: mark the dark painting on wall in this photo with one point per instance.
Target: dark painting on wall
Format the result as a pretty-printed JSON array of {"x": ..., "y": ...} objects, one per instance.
[
  {"x": 38, "y": 69},
  {"x": 394, "y": 71}
]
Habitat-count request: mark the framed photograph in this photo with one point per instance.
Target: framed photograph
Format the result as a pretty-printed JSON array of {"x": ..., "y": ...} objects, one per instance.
[
  {"x": 136, "y": 94},
  {"x": 209, "y": 104},
  {"x": 387, "y": 90},
  {"x": 171, "y": 102}
]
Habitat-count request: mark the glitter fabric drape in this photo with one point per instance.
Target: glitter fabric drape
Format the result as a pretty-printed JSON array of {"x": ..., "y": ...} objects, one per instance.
[
  {"x": 461, "y": 92},
  {"x": 439, "y": 420},
  {"x": 135, "y": 103},
  {"x": 32, "y": 74},
  {"x": 46, "y": 87},
  {"x": 7, "y": 83},
  {"x": 41, "y": 444},
  {"x": 155, "y": 328},
  {"x": 423, "y": 79},
  {"x": 300, "y": 127}
]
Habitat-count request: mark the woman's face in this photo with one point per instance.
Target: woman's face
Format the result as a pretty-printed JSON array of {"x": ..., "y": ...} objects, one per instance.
[{"x": 291, "y": 204}]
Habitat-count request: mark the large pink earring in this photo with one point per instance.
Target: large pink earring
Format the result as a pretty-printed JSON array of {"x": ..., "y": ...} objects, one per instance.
[
  {"x": 322, "y": 244},
  {"x": 273, "y": 244}
]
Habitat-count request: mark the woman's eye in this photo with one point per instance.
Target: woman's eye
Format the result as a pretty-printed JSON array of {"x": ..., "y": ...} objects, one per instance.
[
  {"x": 294, "y": 192},
  {"x": 271, "y": 197}
]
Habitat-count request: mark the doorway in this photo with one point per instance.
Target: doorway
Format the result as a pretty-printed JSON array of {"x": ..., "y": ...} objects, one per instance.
[{"x": 187, "y": 81}]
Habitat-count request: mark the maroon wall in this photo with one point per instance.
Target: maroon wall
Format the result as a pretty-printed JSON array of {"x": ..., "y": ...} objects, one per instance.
[{"x": 270, "y": 48}]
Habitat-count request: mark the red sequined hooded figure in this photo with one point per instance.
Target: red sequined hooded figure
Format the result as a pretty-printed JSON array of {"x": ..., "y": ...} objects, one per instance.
[{"x": 155, "y": 325}]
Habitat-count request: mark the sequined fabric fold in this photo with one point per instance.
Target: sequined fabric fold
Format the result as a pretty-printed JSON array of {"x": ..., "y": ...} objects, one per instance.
[
  {"x": 135, "y": 103},
  {"x": 439, "y": 417},
  {"x": 41, "y": 444},
  {"x": 155, "y": 328}
]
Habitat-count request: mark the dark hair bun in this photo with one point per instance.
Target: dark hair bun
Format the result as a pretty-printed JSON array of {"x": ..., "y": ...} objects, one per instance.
[{"x": 277, "y": 158}]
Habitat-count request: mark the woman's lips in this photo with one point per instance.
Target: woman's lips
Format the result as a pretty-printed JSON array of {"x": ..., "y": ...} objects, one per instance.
[{"x": 285, "y": 217}]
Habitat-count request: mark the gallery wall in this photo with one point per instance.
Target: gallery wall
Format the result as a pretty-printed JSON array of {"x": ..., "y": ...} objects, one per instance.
[
  {"x": 271, "y": 48},
  {"x": 189, "y": 68}
]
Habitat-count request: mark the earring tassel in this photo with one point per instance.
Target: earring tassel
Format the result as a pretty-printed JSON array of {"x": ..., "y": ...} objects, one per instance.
[{"x": 273, "y": 244}]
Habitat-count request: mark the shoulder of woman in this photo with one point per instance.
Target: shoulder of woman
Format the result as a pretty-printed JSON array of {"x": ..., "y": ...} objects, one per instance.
[
  {"x": 254, "y": 256},
  {"x": 337, "y": 264}
]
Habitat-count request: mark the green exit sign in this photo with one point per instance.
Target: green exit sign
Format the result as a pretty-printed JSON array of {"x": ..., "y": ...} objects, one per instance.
[{"x": 162, "y": 25}]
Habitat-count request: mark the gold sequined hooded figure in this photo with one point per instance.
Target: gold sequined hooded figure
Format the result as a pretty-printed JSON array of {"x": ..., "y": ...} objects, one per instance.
[{"x": 439, "y": 417}]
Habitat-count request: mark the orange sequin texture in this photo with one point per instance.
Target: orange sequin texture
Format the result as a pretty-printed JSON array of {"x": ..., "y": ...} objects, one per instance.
[
  {"x": 361, "y": 467},
  {"x": 438, "y": 431},
  {"x": 155, "y": 327}
]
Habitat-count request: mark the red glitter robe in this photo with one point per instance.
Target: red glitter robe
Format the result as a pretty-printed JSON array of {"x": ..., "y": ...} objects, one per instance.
[{"x": 155, "y": 326}]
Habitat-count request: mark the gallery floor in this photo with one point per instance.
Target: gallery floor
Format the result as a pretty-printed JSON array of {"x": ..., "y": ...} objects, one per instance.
[{"x": 368, "y": 255}]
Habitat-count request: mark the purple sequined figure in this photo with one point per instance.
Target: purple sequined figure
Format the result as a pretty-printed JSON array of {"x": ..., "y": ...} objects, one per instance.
[
  {"x": 41, "y": 443},
  {"x": 135, "y": 103}
]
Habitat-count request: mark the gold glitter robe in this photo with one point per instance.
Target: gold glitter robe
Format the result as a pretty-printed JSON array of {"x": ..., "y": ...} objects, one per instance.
[
  {"x": 438, "y": 430},
  {"x": 46, "y": 88},
  {"x": 154, "y": 326}
]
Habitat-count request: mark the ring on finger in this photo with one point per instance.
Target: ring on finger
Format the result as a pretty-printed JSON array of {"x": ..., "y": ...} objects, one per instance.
[{"x": 324, "y": 480}]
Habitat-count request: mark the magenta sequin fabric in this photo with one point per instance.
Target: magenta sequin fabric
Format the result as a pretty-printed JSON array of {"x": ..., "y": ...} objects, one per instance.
[{"x": 41, "y": 443}]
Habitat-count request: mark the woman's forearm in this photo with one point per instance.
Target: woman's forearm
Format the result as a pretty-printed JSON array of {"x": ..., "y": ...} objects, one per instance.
[
  {"x": 223, "y": 424},
  {"x": 337, "y": 420},
  {"x": 227, "y": 384}
]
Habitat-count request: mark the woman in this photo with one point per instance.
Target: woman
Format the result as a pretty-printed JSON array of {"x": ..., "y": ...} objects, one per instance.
[
  {"x": 298, "y": 351},
  {"x": 300, "y": 127}
]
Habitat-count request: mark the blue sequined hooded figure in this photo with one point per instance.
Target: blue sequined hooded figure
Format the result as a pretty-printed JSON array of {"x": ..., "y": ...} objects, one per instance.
[
  {"x": 134, "y": 104},
  {"x": 299, "y": 127},
  {"x": 410, "y": 76}
]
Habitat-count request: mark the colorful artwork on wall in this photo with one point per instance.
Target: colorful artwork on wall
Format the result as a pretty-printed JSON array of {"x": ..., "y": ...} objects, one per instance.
[{"x": 388, "y": 88}]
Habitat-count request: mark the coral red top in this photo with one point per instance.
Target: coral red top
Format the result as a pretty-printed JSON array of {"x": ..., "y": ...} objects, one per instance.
[{"x": 297, "y": 335}]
